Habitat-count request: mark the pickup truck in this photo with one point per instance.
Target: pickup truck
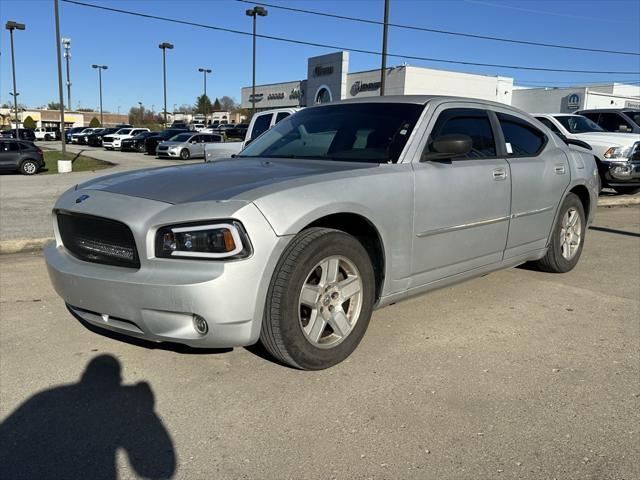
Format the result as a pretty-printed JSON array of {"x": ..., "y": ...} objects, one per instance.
[
  {"x": 260, "y": 123},
  {"x": 112, "y": 142},
  {"x": 617, "y": 154}
]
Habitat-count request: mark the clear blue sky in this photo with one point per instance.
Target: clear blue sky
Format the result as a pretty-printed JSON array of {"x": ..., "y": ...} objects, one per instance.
[{"x": 128, "y": 45}]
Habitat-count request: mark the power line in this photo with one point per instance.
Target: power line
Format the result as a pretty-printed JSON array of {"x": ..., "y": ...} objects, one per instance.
[
  {"x": 337, "y": 47},
  {"x": 444, "y": 32}
]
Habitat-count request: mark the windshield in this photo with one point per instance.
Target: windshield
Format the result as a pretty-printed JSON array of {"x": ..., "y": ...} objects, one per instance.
[
  {"x": 182, "y": 137},
  {"x": 353, "y": 132},
  {"x": 635, "y": 116},
  {"x": 142, "y": 135},
  {"x": 578, "y": 124}
]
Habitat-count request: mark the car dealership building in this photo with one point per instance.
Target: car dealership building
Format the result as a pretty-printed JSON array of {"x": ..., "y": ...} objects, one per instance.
[{"x": 328, "y": 79}]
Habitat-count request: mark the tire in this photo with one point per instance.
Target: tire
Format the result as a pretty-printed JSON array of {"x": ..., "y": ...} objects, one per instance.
[
  {"x": 47, "y": 137},
  {"x": 627, "y": 190},
  {"x": 340, "y": 322},
  {"x": 29, "y": 167},
  {"x": 560, "y": 257},
  {"x": 141, "y": 149},
  {"x": 185, "y": 154}
]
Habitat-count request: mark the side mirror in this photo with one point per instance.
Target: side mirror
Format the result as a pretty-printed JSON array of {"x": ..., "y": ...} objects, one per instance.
[{"x": 447, "y": 146}]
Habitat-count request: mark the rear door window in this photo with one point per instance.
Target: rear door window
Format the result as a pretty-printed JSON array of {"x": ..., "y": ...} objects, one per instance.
[
  {"x": 261, "y": 125},
  {"x": 613, "y": 122},
  {"x": 282, "y": 116},
  {"x": 522, "y": 139},
  {"x": 472, "y": 122}
]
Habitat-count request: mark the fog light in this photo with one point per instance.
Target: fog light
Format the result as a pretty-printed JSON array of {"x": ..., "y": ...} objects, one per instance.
[{"x": 200, "y": 325}]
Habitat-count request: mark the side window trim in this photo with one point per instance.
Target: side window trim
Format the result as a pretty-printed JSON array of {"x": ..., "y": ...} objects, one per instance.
[{"x": 498, "y": 136}]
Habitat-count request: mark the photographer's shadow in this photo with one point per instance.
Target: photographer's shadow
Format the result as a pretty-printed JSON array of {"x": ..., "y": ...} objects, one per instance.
[{"x": 73, "y": 431}]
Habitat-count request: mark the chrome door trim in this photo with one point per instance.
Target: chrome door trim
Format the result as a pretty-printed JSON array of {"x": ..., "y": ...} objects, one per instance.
[
  {"x": 531, "y": 212},
  {"x": 453, "y": 228}
]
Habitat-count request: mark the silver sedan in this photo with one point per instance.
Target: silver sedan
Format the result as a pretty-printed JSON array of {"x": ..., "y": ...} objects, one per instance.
[{"x": 338, "y": 210}]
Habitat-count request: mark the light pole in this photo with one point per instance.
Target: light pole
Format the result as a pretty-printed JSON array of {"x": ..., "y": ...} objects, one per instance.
[
  {"x": 254, "y": 12},
  {"x": 11, "y": 26},
  {"x": 164, "y": 46},
  {"x": 383, "y": 67},
  {"x": 100, "y": 68},
  {"x": 66, "y": 43},
  {"x": 141, "y": 116},
  {"x": 204, "y": 74}
]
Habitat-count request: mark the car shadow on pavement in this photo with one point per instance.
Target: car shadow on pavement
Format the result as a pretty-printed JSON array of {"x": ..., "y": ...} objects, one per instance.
[
  {"x": 74, "y": 431},
  {"x": 614, "y": 230}
]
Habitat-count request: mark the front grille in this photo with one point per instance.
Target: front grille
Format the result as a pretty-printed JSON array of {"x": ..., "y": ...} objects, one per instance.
[
  {"x": 161, "y": 147},
  {"x": 107, "y": 139},
  {"x": 98, "y": 240}
]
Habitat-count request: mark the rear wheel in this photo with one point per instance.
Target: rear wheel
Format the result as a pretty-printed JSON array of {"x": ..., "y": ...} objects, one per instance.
[
  {"x": 185, "y": 154},
  {"x": 47, "y": 137},
  {"x": 627, "y": 190},
  {"x": 141, "y": 148},
  {"x": 567, "y": 238},
  {"x": 320, "y": 300},
  {"x": 28, "y": 167}
]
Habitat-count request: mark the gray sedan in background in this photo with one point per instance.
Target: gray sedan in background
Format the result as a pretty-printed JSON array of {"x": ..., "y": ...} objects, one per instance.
[
  {"x": 187, "y": 145},
  {"x": 337, "y": 210}
]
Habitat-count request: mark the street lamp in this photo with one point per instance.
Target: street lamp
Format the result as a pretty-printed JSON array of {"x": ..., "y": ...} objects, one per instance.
[
  {"x": 141, "y": 117},
  {"x": 11, "y": 26},
  {"x": 66, "y": 43},
  {"x": 100, "y": 68},
  {"x": 255, "y": 12},
  {"x": 164, "y": 46},
  {"x": 204, "y": 74}
]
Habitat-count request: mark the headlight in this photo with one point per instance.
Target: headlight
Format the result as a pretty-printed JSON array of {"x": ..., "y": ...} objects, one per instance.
[
  {"x": 224, "y": 239},
  {"x": 618, "y": 152}
]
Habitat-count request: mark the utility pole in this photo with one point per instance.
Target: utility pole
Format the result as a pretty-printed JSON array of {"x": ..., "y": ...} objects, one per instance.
[
  {"x": 383, "y": 68},
  {"x": 141, "y": 114},
  {"x": 66, "y": 43},
  {"x": 164, "y": 46},
  {"x": 204, "y": 73},
  {"x": 11, "y": 26},
  {"x": 255, "y": 12},
  {"x": 100, "y": 68},
  {"x": 64, "y": 165}
]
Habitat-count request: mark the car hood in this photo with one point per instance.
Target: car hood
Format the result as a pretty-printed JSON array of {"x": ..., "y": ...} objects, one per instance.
[
  {"x": 168, "y": 143},
  {"x": 221, "y": 180},
  {"x": 610, "y": 138}
]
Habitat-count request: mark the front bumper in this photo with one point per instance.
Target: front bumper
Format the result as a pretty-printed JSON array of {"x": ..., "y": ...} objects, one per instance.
[
  {"x": 618, "y": 174},
  {"x": 112, "y": 144},
  {"x": 158, "y": 301},
  {"x": 168, "y": 153}
]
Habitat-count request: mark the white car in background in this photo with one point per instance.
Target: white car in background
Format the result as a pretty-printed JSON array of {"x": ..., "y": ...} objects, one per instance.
[
  {"x": 112, "y": 142},
  {"x": 617, "y": 154},
  {"x": 260, "y": 123}
]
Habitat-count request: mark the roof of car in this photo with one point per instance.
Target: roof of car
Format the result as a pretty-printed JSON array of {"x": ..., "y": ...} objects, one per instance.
[{"x": 608, "y": 110}]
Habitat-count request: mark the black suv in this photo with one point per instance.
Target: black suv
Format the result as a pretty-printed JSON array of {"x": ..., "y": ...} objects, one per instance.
[
  {"x": 622, "y": 120},
  {"x": 18, "y": 155},
  {"x": 23, "y": 133},
  {"x": 152, "y": 141},
  {"x": 95, "y": 139}
]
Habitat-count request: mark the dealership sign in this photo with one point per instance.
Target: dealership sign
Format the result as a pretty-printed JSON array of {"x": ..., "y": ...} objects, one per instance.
[
  {"x": 321, "y": 71},
  {"x": 573, "y": 102},
  {"x": 275, "y": 96},
  {"x": 632, "y": 104},
  {"x": 359, "y": 86}
]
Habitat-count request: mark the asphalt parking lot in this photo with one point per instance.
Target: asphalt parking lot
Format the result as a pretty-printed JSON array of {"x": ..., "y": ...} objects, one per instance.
[{"x": 519, "y": 374}]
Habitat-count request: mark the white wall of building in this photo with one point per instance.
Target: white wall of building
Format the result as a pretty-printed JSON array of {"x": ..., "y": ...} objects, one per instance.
[
  {"x": 428, "y": 81},
  {"x": 570, "y": 99}
]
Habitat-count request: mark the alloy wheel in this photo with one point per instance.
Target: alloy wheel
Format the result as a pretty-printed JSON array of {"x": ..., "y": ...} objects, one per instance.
[{"x": 570, "y": 233}]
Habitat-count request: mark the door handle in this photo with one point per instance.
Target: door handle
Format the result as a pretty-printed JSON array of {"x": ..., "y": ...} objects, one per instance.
[
  {"x": 560, "y": 170},
  {"x": 499, "y": 174}
]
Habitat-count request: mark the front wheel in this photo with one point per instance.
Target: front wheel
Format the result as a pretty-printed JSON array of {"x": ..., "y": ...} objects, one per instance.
[
  {"x": 320, "y": 300},
  {"x": 567, "y": 238},
  {"x": 627, "y": 190},
  {"x": 185, "y": 154},
  {"x": 47, "y": 137}
]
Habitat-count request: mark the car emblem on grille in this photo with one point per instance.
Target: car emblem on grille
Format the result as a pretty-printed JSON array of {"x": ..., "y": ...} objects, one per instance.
[{"x": 81, "y": 198}]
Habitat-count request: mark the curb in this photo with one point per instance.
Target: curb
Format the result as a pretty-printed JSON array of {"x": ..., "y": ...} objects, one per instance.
[
  {"x": 23, "y": 245},
  {"x": 619, "y": 201}
]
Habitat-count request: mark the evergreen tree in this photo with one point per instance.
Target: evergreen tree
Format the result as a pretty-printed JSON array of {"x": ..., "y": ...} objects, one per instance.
[
  {"x": 94, "y": 123},
  {"x": 28, "y": 123},
  {"x": 203, "y": 103}
]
